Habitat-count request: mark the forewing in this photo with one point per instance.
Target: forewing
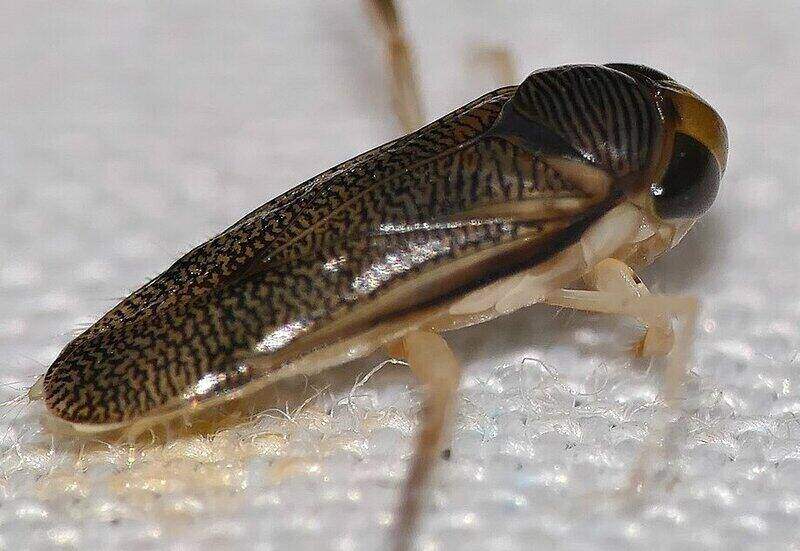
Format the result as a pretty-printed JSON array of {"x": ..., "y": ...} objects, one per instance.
[
  {"x": 210, "y": 267},
  {"x": 418, "y": 219}
]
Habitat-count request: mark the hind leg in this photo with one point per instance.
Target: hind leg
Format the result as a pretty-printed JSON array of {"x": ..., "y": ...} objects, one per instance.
[
  {"x": 405, "y": 91},
  {"x": 433, "y": 363}
]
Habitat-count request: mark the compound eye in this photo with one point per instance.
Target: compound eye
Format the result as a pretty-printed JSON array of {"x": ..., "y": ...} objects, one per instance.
[{"x": 690, "y": 182}]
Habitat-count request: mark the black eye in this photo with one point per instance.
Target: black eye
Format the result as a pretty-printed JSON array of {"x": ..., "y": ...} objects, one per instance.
[{"x": 690, "y": 183}]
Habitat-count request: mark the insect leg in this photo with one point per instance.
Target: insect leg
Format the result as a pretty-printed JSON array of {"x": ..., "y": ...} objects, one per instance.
[
  {"x": 405, "y": 91},
  {"x": 614, "y": 276},
  {"x": 653, "y": 310},
  {"x": 499, "y": 61},
  {"x": 434, "y": 364}
]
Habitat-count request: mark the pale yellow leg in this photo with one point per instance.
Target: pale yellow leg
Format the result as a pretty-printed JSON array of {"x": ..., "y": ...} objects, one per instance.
[
  {"x": 649, "y": 308},
  {"x": 405, "y": 91},
  {"x": 499, "y": 60},
  {"x": 614, "y": 276},
  {"x": 434, "y": 364},
  {"x": 621, "y": 293}
]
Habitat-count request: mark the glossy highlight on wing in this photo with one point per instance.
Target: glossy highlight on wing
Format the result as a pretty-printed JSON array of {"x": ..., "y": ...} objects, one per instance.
[
  {"x": 213, "y": 264},
  {"x": 182, "y": 318}
]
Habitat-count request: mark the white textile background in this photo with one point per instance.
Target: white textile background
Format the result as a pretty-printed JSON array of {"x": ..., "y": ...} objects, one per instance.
[{"x": 130, "y": 132}]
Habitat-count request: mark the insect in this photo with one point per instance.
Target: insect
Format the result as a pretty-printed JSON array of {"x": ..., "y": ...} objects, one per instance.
[{"x": 580, "y": 172}]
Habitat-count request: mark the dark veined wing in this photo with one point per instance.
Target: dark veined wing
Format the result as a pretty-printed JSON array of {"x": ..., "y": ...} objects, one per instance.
[
  {"x": 407, "y": 240},
  {"x": 415, "y": 220},
  {"x": 212, "y": 265}
]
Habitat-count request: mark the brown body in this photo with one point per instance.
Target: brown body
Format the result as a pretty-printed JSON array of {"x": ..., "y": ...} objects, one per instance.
[{"x": 503, "y": 185}]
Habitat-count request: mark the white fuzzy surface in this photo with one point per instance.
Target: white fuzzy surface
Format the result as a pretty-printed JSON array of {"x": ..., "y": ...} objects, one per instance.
[{"x": 131, "y": 131}]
